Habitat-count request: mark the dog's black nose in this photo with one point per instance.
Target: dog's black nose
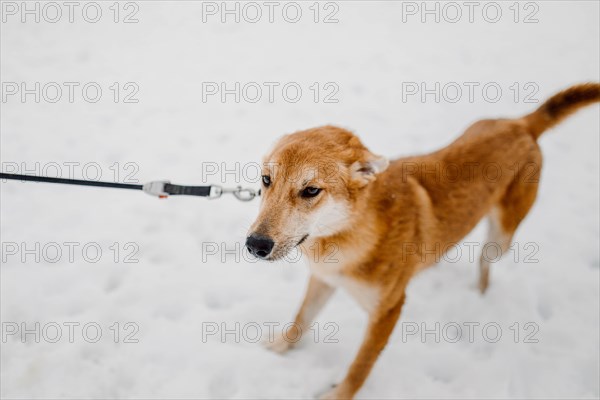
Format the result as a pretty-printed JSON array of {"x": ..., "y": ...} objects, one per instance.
[{"x": 260, "y": 246}]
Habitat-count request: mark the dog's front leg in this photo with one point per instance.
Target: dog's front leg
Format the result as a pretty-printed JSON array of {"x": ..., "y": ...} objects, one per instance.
[
  {"x": 381, "y": 325},
  {"x": 317, "y": 294}
]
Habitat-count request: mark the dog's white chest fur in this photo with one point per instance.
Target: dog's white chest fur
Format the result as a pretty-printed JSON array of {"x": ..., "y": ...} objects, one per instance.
[{"x": 332, "y": 273}]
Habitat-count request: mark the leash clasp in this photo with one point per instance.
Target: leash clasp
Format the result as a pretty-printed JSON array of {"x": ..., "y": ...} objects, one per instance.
[
  {"x": 156, "y": 188},
  {"x": 240, "y": 193}
]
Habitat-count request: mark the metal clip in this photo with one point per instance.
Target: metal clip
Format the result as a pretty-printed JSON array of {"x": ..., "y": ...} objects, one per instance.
[
  {"x": 239, "y": 193},
  {"x": 156, "y": 188},
  {"x": 244, "y": 194}
]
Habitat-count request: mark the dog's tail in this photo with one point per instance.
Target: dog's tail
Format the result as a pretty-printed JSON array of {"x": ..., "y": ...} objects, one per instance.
[{"x": 561, "y": 105}]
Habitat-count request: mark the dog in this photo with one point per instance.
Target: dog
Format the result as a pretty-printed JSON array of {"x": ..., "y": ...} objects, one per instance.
[{"x": 322, "y": 189}]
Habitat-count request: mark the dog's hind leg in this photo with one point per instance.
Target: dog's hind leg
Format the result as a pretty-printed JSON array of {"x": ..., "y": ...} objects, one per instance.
[
  {"x": 508, "y": 214},
  {"x": 497, "y": 243}
]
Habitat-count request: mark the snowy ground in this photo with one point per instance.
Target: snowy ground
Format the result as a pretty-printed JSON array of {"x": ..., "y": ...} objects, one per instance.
[{"x": 177, "y": 292}]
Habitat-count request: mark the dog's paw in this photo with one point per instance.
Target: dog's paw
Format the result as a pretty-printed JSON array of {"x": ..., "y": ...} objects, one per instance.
[
  {"x": 337, "y": 392},
  {"x": 279, "y": 344},
  {"x": 333, "y": 393}
]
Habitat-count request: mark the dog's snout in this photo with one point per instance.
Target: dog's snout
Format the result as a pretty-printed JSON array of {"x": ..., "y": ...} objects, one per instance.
[{"x": 260, "y": 246}]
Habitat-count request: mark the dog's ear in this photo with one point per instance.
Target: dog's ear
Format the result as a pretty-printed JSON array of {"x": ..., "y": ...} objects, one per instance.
[{"x": 365, "y": 171}]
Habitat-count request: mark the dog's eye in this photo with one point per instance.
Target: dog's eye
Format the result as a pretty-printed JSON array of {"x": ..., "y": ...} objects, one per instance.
[
  {"x": 311, "y": 192},
  {"x": 266, "y": 180}
]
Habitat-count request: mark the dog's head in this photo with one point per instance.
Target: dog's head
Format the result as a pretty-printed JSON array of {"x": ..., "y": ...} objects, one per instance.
[{"x": 311, "y": 181}]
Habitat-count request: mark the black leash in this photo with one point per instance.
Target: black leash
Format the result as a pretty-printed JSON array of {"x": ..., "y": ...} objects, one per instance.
[{"x": 161, "y": 189}]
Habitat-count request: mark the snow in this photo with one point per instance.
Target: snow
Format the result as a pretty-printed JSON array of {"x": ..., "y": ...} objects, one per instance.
[{"x": 176, "y": 292}]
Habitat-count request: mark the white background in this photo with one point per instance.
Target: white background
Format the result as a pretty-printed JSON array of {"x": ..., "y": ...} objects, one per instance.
[{"x": 175, "y": 288}]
